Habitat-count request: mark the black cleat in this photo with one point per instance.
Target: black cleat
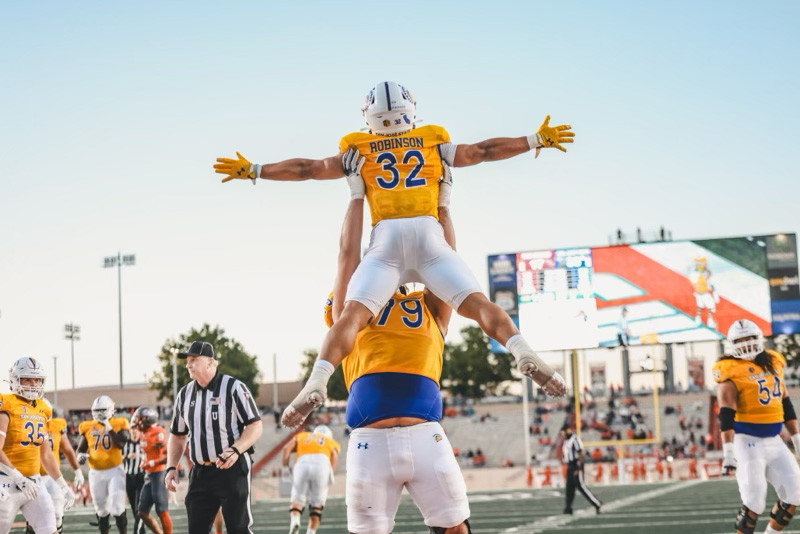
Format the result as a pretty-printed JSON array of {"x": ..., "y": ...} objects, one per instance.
[{"x": 568, "y": 511}]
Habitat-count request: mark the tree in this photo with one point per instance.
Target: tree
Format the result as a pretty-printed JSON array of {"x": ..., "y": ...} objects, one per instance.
[
  {"x": 336, "y": 387},
  {"x": 231, "y": 357},
  {"x": 789, "y": 346},
  {"x": 471, "y": 369}
]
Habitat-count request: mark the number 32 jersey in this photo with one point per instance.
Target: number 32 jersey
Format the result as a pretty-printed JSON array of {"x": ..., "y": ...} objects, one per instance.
[
  {"x": 102, "y": 452},
  {"x": 759, "y": 406},
  {"x": 401, "y": 172},
  {"x": 26, "y": 433}
]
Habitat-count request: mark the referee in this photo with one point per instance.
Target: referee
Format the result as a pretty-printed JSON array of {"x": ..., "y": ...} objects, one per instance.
[
  {"x": 572, "y": 451},
  {"x": 217, "y": 415},
  {"x": 134, "y": 479}
]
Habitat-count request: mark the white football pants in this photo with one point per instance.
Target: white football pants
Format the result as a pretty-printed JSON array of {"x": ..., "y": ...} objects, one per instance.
[
  {"x": 38, "y": 512},
  {"x": 762, "y": 460},
  {"x": 310, "y": 480},
  {"x": 108, "y": 490}
]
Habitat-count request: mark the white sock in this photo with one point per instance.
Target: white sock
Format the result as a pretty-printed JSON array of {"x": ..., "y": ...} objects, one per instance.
[
  {"x": 294, "y": 519},
  {"x": 771, "y": 530},
  {"x": 311, "y": 531}
]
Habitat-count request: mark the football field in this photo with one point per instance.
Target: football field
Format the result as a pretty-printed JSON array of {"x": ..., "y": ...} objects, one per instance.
[{"x": 688, "y": 507}]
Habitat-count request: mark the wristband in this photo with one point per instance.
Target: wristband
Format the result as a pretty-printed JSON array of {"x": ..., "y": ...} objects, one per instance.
[
  {"x": 256, "y": 172},
  {"x": 168, "y": 469},
  {"x": 236, "y": 450},
  {"x": 535, "y": 141}
]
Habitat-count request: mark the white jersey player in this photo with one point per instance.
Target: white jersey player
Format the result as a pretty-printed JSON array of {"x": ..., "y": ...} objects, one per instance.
[{"x": 316, "y": 455}]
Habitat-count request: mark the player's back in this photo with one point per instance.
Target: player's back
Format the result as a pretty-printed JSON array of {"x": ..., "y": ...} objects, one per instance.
[
  {"x": 26, "y": 432},
  {"x": 401, "y": 172},
  {"x": 311, "y": 443},
  {"x": 103, "y": 453}
]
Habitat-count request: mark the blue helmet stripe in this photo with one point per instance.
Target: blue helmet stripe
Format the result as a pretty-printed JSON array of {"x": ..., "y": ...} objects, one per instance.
[{"x": 388, "y": 99}]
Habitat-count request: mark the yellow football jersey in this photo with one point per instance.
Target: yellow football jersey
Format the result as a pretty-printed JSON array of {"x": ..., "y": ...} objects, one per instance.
[
  {"x": 311, "y": 443},
  {"x": 401, "y": 172},
  {"x": 103, "y": 454},
  {"x": 699, "y": 280},
  {"x": 760, "y": 397},
  {"x": 56, "y": 428},
  {"x": 415, "y": 345},
  {"x": 26, "y": 433}
]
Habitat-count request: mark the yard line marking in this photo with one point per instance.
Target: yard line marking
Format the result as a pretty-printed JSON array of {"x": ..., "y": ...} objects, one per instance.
[{"x": 557, "y": 521}]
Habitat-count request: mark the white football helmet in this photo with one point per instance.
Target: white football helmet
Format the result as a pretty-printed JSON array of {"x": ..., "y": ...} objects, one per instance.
[
  {"x": 103, "y": 408},
  {"x": 27, "y": 368},
  {"x": 324, "y": 431},
  {"x": 389, "y": 109},
  {"x": 746, "y": 339}
]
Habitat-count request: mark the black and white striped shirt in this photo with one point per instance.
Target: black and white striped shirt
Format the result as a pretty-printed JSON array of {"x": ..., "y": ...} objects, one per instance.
[
  {"x": 213, "y": 416},
  {"x": 571, "y": 449},
  {"x": 131, "y": 457}
]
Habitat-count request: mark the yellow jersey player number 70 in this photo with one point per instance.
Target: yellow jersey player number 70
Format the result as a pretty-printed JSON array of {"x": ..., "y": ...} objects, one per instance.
[{"x": 401, "y": 166}]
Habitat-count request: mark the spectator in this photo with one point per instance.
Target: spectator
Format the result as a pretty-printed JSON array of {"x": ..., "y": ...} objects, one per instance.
[{"x": 479, "y": 460}]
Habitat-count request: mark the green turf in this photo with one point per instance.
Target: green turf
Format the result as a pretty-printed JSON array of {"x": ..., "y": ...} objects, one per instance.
[{"x": 683, "y": 508}]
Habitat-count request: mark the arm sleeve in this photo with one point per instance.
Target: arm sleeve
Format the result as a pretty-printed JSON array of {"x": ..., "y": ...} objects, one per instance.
[
  {"x": 178, "y": 426},
  {"x": 245, "y": 405},
  {"x": 788, "y": 409}
]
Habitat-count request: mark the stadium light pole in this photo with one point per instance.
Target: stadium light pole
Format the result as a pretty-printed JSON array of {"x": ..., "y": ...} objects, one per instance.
[
  {"x": 174, "y": 351},
  {"x": 118, "y": 261},
  {"x": 73, "y": 333}
]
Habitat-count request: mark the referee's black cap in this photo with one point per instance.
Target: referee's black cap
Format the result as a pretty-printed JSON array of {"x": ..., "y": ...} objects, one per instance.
[{"x": 199, "y": 348}]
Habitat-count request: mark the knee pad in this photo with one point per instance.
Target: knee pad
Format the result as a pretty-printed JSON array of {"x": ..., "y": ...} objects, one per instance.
[
  {"x": 103, "y": 523},
  {"x": 781, "y": 514},
  {"x": 440, "y": 530},
  {"x": 29, "y": 529},
  {"x": 745, "y": 523},
  {"x": 316, "y": 511},
  {"x": 121, "y": 520},
  {"x": 298, "y": 510}
]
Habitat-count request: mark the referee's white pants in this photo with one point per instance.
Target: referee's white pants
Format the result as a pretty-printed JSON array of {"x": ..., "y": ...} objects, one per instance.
[
  {"x": 382, "y": 461},
  {"x": 108, "y": 490},
  {"x": 38, "y": 512},
  {"x": 762, "y": 460},
  {"x": 410, "y": 250}
]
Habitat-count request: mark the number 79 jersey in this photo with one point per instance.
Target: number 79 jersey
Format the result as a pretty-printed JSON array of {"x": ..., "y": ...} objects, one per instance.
[
  {"x": 27, "y": 432},
  {"x": 401, "y": 172},
  {"x": 102, "y": 452},
  {"x": 760, "y": 397}
]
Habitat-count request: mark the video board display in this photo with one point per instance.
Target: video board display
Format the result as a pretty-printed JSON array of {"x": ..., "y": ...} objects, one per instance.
[{"x": 663, "y": 292}]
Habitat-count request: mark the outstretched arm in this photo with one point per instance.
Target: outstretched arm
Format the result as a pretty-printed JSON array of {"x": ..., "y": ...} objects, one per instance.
[
  {"x": 349, "y": 252},
  {"x": 507, "y": 147},
  {"x": 295, "y": 169}
]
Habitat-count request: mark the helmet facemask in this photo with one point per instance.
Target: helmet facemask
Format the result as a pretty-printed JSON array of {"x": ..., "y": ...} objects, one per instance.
[{"x": 745, "y": 339}]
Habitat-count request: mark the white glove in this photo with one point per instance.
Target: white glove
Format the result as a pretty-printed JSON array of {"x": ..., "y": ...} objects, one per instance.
[
  {"x": 106, "y": 425},
  {"x": 555, "y": 387},
  {"x": 729, "y": 462},
  {"x": 69, "y": 497},
  {"x": 445, "y": 187},
  {"x": 78, "y": 480},
  {"x": 331, "y": 477},
  {"x": 27, "y": 486},
  {"x": 352, "y": 162},
  {"x": 796, "y": 443},
  {"x": 82, "y": 457},
  {"x": 3, "y": 494}
]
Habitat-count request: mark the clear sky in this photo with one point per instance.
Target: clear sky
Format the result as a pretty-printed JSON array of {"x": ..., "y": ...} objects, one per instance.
[{"x": 111, "y": 116}]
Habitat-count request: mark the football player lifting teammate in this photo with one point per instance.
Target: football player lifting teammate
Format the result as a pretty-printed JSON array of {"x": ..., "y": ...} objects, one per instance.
[
  {"x": 401, "y": 165},
  {"x": 753, "y": 408}
]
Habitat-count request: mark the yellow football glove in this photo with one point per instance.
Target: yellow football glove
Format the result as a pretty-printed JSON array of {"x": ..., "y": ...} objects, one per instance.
[
  {"x": 551, "y": 136},
  {"x": 237, "y": 168}
]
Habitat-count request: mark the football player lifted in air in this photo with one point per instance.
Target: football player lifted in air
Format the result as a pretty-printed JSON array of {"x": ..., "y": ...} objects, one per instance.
[
  {"x": 25, "y": 439},
  {"x": 401, "y": 164},
  {"x": 102, "y": 439},
  {"x": 153, "y": 441},
  {"x": 57, "y": 428},
  {"x": 316, "y": 455},
  {"x": 753, "y": 407}
]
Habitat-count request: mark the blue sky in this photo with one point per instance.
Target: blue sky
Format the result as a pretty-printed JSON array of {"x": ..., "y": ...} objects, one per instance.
[{"x": 111, "y": 116}]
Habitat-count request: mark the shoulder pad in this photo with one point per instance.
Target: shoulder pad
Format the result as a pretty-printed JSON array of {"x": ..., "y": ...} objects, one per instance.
[
  {"x": 777, "y": 355},
  {"x": 351, "y": 139},
  {"x": 727, "y": 369},
  {"x": 439, "y": 134}
]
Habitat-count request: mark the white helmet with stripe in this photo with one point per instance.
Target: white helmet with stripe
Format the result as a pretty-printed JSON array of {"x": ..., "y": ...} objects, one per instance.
[
  {"x": 324, "y": 431},
  {"x": 389, "y": 109},
  {"x": 27, "y": 368},
  {"x": 746, "y": 339}
]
